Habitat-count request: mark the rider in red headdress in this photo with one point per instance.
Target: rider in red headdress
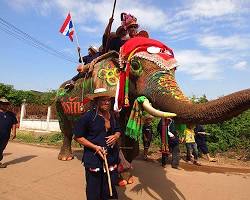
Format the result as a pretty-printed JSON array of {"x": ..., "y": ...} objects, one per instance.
[{"x": 129, "y": 22}]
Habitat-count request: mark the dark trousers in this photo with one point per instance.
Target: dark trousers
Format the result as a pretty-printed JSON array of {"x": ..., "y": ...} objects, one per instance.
[
  {"x": 97, "y": 185},
  {"x": 3, "y": 143},
  {"x": 78, "y": 76},
  {"x": 202, "y": 148},
  {"x": 192, "y": 149},
  {"x": 175, "y": 155},
  {"x": 164, "y": 158}
]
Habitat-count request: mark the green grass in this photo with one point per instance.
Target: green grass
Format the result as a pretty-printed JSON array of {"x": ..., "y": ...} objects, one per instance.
[{"x": 53, "y": 138}]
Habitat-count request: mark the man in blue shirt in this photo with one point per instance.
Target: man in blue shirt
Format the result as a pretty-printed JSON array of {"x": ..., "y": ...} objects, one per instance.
[
  {"x": 98, "y": 131},
  {"x": 8, "y": 122}
]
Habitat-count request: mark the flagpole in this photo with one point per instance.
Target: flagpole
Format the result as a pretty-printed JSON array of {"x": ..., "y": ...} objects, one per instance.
[
  {"x": 77, "y": 42},
  {"x": 79, "y": 52}
]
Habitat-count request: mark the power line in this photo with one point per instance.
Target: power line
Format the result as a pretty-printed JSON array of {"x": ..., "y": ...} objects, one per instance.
[{"x": 17, "y": 33}]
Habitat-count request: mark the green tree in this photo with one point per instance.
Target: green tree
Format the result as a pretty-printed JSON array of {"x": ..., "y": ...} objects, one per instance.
[
  {"x": 16, "y": 97},
  {"x": 202, "y": 99},
  {"x": 5, "y": 89}
]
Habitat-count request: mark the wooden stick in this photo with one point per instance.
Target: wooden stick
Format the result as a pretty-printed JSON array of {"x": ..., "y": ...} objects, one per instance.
[
  {"x": 107, "y": 170},
  {"x": 108, "y": 39}
]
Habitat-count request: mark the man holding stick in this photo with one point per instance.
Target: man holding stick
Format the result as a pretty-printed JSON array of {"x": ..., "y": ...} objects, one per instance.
[{"x": 98, "y": 131}]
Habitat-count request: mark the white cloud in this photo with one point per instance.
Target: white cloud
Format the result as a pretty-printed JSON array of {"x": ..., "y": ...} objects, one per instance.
[
  {"x": 89, "y": 29},
  {"x": 242, "y": 65},
  {"x": 42, "y": 7},
  {"x": 213, "y": 8},
  {"x": 85, "y": 11},
  {"x": 208, "y": 15},
  {"x": 198, "y": 64},
  {"x": 236, "y": 42},
  {"x": 177, "y": 23}
]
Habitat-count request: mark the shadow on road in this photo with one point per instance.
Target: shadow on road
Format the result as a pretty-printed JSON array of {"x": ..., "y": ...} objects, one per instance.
[
  {"x": 213, "y": 169},
  {"x": 153, "y": 180},
  {"x": 19, "y": 160}
]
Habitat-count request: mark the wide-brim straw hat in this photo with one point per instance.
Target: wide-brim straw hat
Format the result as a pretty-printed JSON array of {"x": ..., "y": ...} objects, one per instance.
[
  {"x": 93, "y": 48},
  {"x": 101, "y": 92},
  {"x": 3, "y": 100}
]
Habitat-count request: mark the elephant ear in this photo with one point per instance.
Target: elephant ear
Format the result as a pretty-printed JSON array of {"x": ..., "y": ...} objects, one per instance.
[{"x": 110, "y": 55}]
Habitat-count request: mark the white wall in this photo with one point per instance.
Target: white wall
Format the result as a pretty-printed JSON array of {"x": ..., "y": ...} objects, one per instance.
[{"x": 37, "y": 124}]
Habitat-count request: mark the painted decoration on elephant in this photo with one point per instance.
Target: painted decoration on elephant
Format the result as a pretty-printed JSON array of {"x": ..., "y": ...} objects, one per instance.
[
  {"x": 73, "y": 105},
  {"x": 108, "y": 72},
  {"x": 168, "y": 85}
]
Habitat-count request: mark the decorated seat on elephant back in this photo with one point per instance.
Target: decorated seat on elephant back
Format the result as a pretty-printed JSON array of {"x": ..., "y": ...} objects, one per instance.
[{"x": 102, "y": 72}]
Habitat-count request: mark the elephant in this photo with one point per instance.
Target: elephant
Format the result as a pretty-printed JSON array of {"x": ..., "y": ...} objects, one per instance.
[{"x": 150, "y": 67}]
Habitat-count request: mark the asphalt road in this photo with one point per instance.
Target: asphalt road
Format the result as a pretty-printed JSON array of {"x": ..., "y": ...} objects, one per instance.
[{"x": 34, "y": 173}]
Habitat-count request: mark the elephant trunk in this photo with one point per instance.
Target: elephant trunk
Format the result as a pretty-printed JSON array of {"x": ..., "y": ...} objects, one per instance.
[
  {"x": 214, "y": 111},
  {"x": 169, "y": 98}
]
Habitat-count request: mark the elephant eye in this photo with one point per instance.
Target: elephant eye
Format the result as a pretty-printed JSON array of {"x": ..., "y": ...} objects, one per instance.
[{"x": 136, "y": 67}]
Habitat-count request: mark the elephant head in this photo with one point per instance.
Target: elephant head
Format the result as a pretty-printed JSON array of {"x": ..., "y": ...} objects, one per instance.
[{"x": 152, "y": 74}]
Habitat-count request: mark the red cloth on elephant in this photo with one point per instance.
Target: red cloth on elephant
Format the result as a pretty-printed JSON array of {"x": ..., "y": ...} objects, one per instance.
[
  {"x": 130, "y": 48},
  {"x": 121, "y": 90},
  {"x": 142, "y": 44}
]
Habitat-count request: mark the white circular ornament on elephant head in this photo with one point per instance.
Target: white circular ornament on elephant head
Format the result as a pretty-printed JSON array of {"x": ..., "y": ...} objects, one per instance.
[{"x": 153, "y": 49}]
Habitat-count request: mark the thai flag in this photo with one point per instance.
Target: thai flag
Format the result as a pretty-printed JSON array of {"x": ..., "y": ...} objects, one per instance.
[{"x": 67, "y": 28}]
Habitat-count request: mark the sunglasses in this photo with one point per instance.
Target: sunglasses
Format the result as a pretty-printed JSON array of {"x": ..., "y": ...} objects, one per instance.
[{"x": 133, "y": 27}]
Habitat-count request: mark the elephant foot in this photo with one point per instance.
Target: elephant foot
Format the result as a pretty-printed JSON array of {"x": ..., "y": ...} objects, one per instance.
[{"x": 65, "y": 156}]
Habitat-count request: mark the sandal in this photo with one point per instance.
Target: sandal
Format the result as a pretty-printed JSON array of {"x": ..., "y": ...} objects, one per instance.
[
  {"x": 122, "y": 183},
  {"x": 212, "y": 160},
  {"x": 3, "y": 165},
  {"x": 196, "y": 163}
]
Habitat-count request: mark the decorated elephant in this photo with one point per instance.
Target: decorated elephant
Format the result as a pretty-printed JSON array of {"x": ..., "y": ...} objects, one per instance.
[{"x": 149, "y": 68}]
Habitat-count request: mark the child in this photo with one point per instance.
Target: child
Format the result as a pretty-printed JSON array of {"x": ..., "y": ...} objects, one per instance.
[
  {"x": 190, "y": 144},
  {"x": 147, "y": 133},
  {"x": 201, "y": 141}
]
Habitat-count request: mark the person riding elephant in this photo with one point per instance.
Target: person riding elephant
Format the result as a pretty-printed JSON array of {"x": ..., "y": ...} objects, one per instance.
[
  {"x": 92, "y": 54},
  {"x": 113, "y": 41},
  {"x": 129, "y": 22}
]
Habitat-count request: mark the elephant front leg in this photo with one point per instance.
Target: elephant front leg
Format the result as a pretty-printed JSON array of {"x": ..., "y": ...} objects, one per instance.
[{"x": 66, "y": 151}]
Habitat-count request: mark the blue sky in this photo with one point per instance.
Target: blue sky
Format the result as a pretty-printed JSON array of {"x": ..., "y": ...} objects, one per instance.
[{"x": 210, "y": 39}]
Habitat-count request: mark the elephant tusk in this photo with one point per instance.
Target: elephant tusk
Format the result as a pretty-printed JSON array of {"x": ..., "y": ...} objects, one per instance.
[{"x": 157, "y": 113}]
